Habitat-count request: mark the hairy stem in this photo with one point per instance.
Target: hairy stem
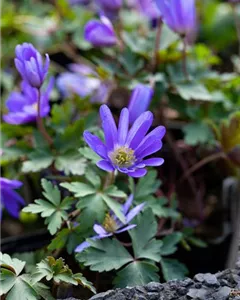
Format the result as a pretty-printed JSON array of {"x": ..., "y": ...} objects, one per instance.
[
  {"x": 155, "y": 60},
  {"x": 40, "y": 124},
  {"x": 184, "y": 59}
]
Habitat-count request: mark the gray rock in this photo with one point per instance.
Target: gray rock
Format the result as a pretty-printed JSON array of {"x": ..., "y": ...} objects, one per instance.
[
  {"x": 186, "y": 282},
  {"x": 117, "y": 296},
  {"x": 197, "y": 294},
  {"x": 210, "y": 280},
  {"x": 154, "y": 287},
  {"x": 104, "y": 295},
  {"x": 199, "y": 277},
  {"x": 222, "y": 294},
  {"x": 153, "y": 296}
]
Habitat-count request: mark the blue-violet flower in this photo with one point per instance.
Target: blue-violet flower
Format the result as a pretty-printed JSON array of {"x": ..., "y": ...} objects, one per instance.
[
  {"x": 100, "y": 33},
  {"x": 179, "y": 15},
  {"x": 23, "y": 107},
  {"x": 10, "y": 199},
  {"x": 125, "y": 150},
  {"x": 140, "y": 101},
  {"x": 112, "y": 225},
  {"x": 30, "y": 65}
]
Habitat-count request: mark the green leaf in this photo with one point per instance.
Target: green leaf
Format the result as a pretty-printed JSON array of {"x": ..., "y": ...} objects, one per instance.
[
  {"x": 13, "y": 284},
  {"x": 55, "y": 269},
  {"x": 144, "y": 243},
  {"x": 147, "y": 185},
  {"x": 71, "y": 163},
  {"x": 115, "y": 207},
  {"x": 39, "y": 160},
  {"x": 51, "y": 192},
  {"x": 79, "y": 189},
  {"x": 173, "y": 269},
  {"x": 94, "y": 208},
  {"x": 197, "y": 133},
  {"x": 170, "y": 242},
  {"x": 93, "y": 178},
  {"x": 193, "y": 91},
  {"x": 54, "y": 211},
  {"x": 104, "y": 255},
  {"x": 113, "y": 191},
  {"x": 60, "y": 240},
  {"x": 89, "y": 154},
  {"x": 136, "y": 273}
]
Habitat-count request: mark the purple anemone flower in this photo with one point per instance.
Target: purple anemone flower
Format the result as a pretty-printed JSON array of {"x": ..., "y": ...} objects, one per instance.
[
  {"x": 30, "y": 65},
  {"x": 125, "y": 150},
  {"x": 100, "y": 33},
  {"x": 23, "y": 106},
  {"x": 148, "y": 8},
  {"x": 112, "y": 225},
  {"x": 179, "y": 15},
  {"x": 140, "y": 101},
  {"x": 111, "y": 4},
  {"x": 10, "y": 199},
  {"x": 72, "y": 83}
]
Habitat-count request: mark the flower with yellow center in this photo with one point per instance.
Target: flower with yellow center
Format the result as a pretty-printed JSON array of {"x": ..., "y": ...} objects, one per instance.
[{"x": 123, "y": 157}]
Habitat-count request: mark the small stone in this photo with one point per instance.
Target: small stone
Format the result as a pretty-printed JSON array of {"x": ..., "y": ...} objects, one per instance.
[
  {"x": 197, "y": 294},
  {"x": 186, "y": 282},
  {"x": 117, "y": 296},
  {"x": 181, "y": 291},
  {"x": 222, "y": 294},
  {"x": 210, "y": 280},
  {"x": 140, "y": 289},
  {"x": 128, "y": 292},
  {"x": 199, "y": 277},
  {"x": 153, "y": 296},
  {"x": 197, "y": 285},
  {"x": 104, "y": 295},
  {"x": 154, "y": 287}
]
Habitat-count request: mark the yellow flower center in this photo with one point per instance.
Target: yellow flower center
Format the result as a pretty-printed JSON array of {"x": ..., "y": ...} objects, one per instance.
[
  {"x": 35, "y": 106},
  {"x": 123, "y": 157},
  {"x": 109, "y": 224}
]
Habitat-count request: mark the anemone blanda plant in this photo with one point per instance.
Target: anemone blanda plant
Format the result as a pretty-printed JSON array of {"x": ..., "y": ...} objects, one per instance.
[
  {"x": 10, "y": 199},
  {"x": 126, "y": 149},
  {"x": 112, "y": 225}
]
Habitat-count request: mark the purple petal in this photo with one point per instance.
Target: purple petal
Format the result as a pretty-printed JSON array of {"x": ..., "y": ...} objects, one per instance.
[
  {"x": 15, "y": 102},
  {"x": 126, "y": 228},
  {"x": 105, "y": 165},
  {"x": 140, "y": 101},
  {"x": 139, "y": 129},
  {"x": 100, "y": 230},
  {"x": 123, "y": 126},
  {"x": 135, "y": 211},
  {"x": 109, "y": 126},
  {"x": 82, "y": 246},
  {"x": 153, "y": 162},
  {"x": 10, "y": 184},
  {"x": 138, "y": 173},
  {"x": 127, "y": 204},
  {"x": 18, "y": 118},
  {"x": 95, "y": 143},
  {"x": 12, "y": 201}
]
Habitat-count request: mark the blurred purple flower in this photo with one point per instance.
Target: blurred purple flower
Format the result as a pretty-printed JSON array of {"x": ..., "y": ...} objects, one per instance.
[
  {"x": 140, "y": 101},
  {"x": 149, "y": 8},
  {"x": 10, "y": 199},
  {"x": 124, "y": 150},
  {"x": 179, "y": 15},
  {"x": 72, "y": 83},
  {"x": 23, "y": 106},
  {"x": 30, "y": 65},
  {"x": 111, "y": 4},
  {"x": 112, "y": 225},
  {"x": 79, "y": 2},
  {"x": 100, "y": 33}
]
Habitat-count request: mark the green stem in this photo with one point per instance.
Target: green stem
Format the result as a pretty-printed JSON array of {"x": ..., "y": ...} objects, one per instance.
[
  {"x": 156, "y": 60},
  {"x": 184, "y": 59},
  {"x": 40, "y": 124}
]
